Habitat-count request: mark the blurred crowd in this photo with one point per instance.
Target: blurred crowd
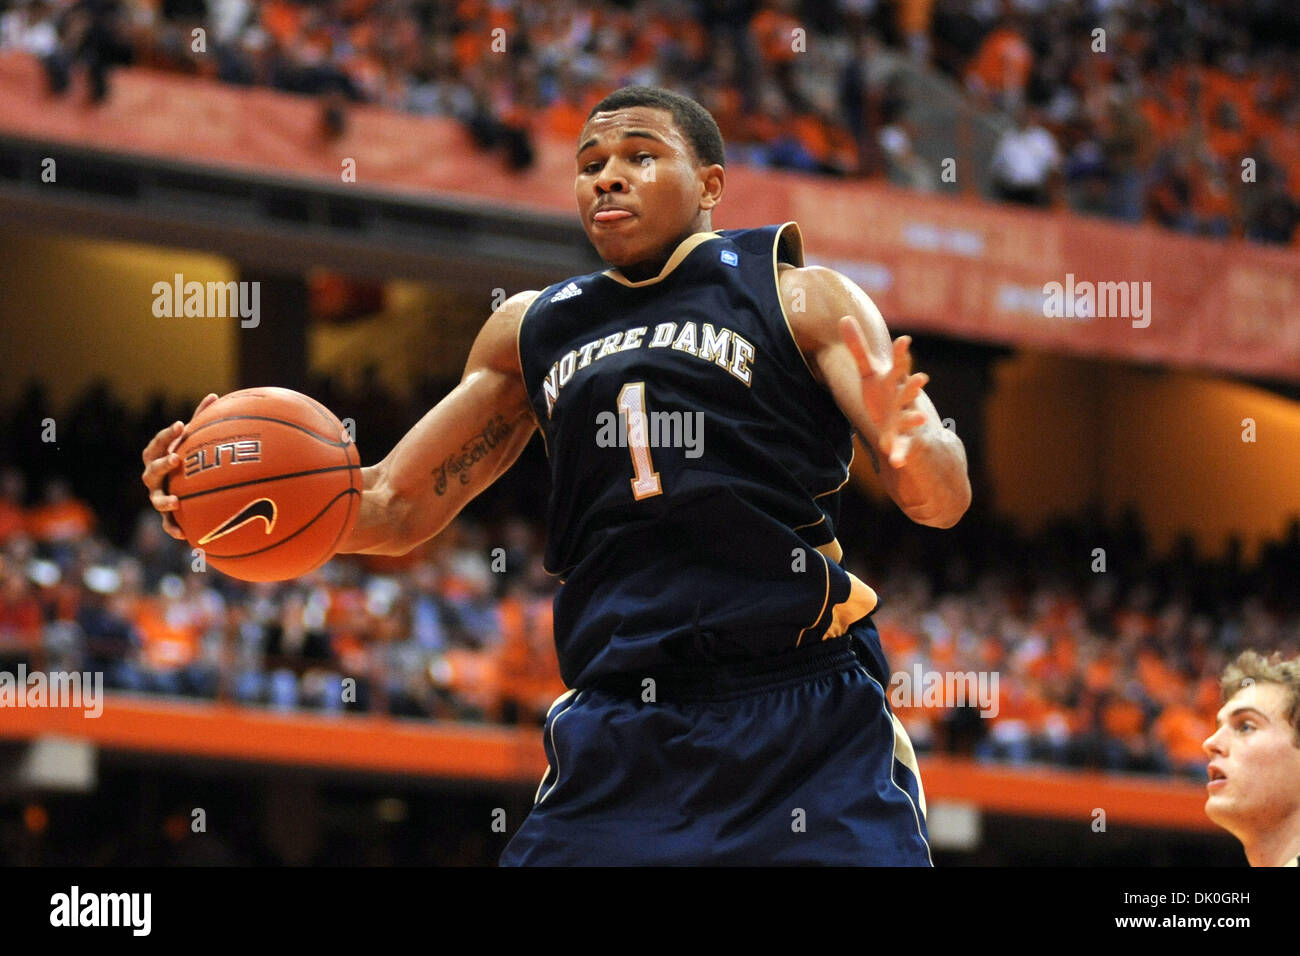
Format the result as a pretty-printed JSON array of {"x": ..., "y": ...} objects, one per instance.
[
  {"x": 1138, "y": 110},
  {"x": 1113, "y": 669},
  {"x": 1186, "y": 114}
]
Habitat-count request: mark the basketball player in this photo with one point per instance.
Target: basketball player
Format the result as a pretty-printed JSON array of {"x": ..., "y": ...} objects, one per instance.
[
  {"x": 697, "y": 401},
  {"x": 1254, "y": 787}
]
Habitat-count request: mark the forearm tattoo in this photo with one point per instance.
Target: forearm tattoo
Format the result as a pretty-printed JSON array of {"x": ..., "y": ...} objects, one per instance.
[{"x": 460, "y": 465}]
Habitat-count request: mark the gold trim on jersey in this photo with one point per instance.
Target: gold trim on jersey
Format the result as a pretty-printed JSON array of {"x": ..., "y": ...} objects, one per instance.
[
  {"x": 540, "y": 798},
  {"x": 565, "y": 696},
  {"x": 684, "y": 248},
  {"x": 797, "y": 235},
  {"x": 848, "y": 472},
  {"x": 519, "y": 354},
  {"x": 832, "y": 549},
  {"x": 790, "y": 230},
  {"x": 899, "y": 732},
  {"x": 833, "y": 544},
  {"x": 825, "y": 599},
  {"x": 810, "y": 524},
  {"x": 906, "y": 755}
]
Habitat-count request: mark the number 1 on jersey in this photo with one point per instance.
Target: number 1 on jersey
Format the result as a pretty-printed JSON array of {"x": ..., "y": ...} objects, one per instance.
[{"x": 631, "y": 409}]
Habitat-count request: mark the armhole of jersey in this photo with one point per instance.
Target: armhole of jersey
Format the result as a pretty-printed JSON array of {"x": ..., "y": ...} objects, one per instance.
[
  {"x": 519, "y": 332},
  {"x": 848, "y": 469},
  {"x": 519, "y": 354},
  {"x": 791, "y": 231}
]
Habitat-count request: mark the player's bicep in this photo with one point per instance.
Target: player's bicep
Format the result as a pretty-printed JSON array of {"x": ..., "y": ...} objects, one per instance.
[{"x": 497, "y": 344}]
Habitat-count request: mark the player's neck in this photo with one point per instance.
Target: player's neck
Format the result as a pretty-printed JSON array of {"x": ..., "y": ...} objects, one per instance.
[
  {"x": 641, "y": 271},
  {"x": 652, "y": 267},
  {"x": 1278, "y": 847}
]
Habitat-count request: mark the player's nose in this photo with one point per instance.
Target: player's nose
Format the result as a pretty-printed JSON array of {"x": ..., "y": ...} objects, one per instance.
[
  {"x": 1213, "y": 746},
  {"x": 610, "y": 181}
]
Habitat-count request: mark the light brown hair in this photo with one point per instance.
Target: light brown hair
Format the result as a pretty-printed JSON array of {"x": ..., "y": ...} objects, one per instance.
[{"x": 1254, "y": 667}]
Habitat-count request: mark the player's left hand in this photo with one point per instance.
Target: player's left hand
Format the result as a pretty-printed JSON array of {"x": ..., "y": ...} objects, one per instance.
[
  {"x": 159, "y": 462},
  {"x": 888, "y": 391}
]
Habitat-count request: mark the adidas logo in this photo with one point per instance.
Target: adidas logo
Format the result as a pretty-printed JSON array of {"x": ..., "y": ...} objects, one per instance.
[{"x": 568, "y": 292}]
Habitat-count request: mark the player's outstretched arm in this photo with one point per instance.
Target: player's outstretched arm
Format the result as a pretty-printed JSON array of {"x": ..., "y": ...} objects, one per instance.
[
  {"x": 455, "y": 451},
  {"x": 844, "y": 338}
]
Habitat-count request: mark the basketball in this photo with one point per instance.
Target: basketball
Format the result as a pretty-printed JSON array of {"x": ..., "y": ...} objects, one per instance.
[{"x": 269, "y": 484}]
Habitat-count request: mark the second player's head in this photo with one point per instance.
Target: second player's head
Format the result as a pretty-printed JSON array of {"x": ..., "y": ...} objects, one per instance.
[
  {"x": 1254, "y": 768},
  {"x": 650, "y": 169}
]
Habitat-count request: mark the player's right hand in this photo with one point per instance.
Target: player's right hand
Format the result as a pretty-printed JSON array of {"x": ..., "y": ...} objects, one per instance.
[{"x": 159, "y": 460}]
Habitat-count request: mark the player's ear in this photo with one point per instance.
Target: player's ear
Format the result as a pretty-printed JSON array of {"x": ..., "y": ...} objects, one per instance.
[{"x": 713, "y": 180}]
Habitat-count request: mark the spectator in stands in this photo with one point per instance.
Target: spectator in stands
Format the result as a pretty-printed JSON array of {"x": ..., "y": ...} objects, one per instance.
[
  {"x": 30, "y": 27},
  {"x": 774, "y": 127},
  {"x": 1125, "y": 148},
  {"x": 1212, "y": 206},
  {"x": 827, "y": 139},
  {"x": 111, "y": 643},
  {"x": 466, "y": 583},
  {"x": 1273, "y": 215},
  {"x": 904, "y": 166},
  {"x": 780, "y": 37},
  {"x": 61, "y": 520},
  {"x": 1180, "y": 732},
  {"x": 1086, "y": 177},
  {"x": 21, "y": 617},
  {"x": 156, "y": 553},
  {"x": 169, "y": 637},
  {"x": 1001, "y": 68},
  {"x": 13, "y": 515},
  {"x": 430, "y": 615},
  {"x": 529, "y": 671},
  {"x": 250, "y": 678},
  {"x": 1171, "y": 192},
  {"x": 90, "y": 36},
  {"x": 914, "y": 21},
  {"x": 1010, "y": 737},
  {"x": 856, "y": 95},
  {"x": 1026, "y": 162}
]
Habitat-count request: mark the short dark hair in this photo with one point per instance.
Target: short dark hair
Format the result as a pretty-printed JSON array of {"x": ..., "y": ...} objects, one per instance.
[{"x": 692, "y": 120}]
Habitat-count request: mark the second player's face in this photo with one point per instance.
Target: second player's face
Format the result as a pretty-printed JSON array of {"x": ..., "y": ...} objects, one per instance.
[
  {"x": 638, "y": 187},
  {"x": 1254, "y": 766}
]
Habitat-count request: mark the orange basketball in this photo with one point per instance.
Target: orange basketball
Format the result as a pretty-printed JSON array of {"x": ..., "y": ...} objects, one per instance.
[{"x": 269, "y": 484}]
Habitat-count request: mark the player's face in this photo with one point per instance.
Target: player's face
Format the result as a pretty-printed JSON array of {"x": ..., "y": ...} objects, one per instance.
[
  {"x": 639, "y": 188},
  {"x": 1254, "y": 766}
]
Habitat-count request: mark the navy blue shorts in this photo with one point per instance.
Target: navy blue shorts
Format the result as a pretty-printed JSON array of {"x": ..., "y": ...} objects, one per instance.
[{"x": 795, "y": 759}]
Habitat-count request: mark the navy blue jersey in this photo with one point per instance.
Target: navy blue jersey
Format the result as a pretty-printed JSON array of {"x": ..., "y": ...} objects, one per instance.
[{"x": 695, "y": 462}]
